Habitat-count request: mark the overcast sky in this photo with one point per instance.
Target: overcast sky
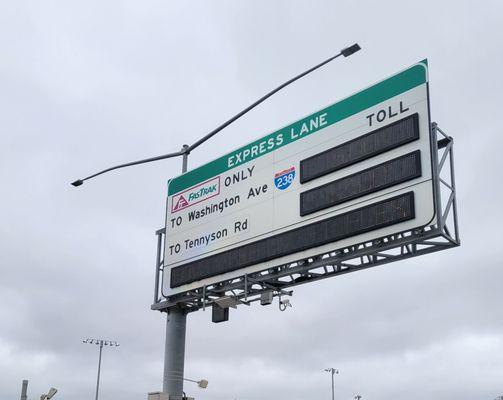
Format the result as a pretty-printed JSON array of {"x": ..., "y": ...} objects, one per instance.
[{"x": 89, "y": 84}]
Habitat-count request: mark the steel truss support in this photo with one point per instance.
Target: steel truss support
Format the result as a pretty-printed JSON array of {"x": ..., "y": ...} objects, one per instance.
[{"x": 442, "y": 234}]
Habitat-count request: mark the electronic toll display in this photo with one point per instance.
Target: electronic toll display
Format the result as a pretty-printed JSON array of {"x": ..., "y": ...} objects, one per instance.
[{"x": 355, "y": 171}]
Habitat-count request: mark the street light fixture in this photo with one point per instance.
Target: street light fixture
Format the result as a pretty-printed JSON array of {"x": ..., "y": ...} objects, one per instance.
[
  {"x": 333, "y": 371},
  {"x": 49, "y": 395},
  {"x": 101, "y": 343},
  {"x": 203, "y": 383}
]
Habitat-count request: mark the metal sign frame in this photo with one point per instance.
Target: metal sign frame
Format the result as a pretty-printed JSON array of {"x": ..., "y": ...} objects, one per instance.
[{"x": 441, "y": 234}]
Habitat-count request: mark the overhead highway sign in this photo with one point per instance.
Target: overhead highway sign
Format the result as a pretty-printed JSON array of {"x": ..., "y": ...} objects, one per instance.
[{"x": 354, "y": 171}]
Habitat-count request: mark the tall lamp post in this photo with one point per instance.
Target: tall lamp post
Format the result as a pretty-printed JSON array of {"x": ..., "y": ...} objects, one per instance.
[
  {"x": 101, "y": 343},
  {"x": 332, "y": 371},
  {"x": 174, "y": 352}
]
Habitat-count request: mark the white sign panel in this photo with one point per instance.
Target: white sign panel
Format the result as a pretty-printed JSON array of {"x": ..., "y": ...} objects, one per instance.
[{"x": 355, "y": 171}]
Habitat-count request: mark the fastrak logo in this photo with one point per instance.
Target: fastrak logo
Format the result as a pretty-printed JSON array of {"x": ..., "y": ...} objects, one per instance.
[{"x": 196, "y": 194}]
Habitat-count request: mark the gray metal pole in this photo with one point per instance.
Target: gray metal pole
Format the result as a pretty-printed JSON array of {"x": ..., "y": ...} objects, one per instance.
[
  {"x": 174, "y": 353},
  {"x": 24, "y": 390},
  {"x": 185, "y": 158},
  {"x": 333, "y": 372},
  {"x": 174, "y": 350},
  {"x": 99, "y": 368}
]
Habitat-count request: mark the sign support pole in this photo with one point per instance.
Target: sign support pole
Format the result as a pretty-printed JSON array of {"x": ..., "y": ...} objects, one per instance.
[
  {"x": 174, "y": 350},
  {"x": 174, "y": 353}
]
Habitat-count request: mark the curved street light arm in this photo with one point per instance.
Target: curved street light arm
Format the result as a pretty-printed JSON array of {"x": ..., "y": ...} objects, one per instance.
[
  {"x": 346, "y": 52},
  {"x": 79, "y": 182}
]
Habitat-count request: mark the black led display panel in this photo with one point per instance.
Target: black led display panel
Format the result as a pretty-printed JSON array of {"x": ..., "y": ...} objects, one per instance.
[
  {"x": 374, "y": 216},
  {"x": 369, "y": 145},
  {"x": 362, "y": 183}
]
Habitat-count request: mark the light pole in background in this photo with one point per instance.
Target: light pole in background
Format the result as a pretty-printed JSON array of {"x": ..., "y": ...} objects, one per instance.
[
  {"x": 101, "y": 343},
  {"x": 332, "y": 371},
  {"x": 24, "y": 390}
]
